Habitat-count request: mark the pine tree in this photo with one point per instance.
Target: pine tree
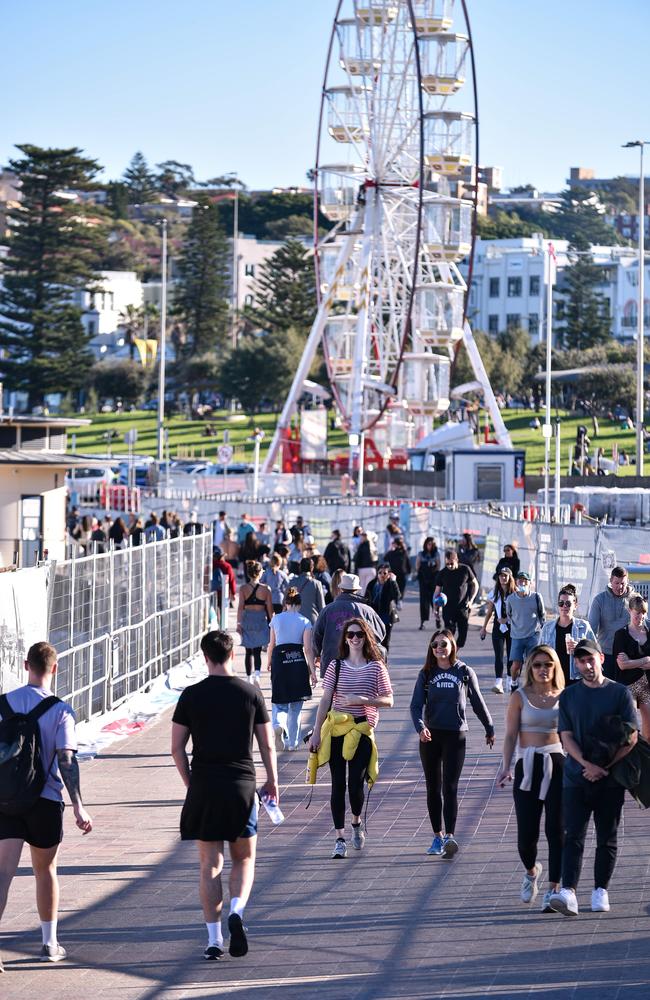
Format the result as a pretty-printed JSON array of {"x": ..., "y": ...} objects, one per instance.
[
  {"x": 201, "y": 293},
  {"x": 285, "y": 290},
  {"x": 139, "y": 180},
  {"x": 581, "y": 307},
  {"x": 55, "y": 246}
]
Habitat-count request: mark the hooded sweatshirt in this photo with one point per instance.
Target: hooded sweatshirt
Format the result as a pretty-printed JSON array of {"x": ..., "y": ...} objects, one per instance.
[{"x": 607, "y": 614}]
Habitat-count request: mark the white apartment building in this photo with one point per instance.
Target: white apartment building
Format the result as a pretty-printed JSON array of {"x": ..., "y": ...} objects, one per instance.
[
  {"x": 104, "y": 309},
  {"x": 509, "y": 285},
  {"x": 247, "y": 255}
]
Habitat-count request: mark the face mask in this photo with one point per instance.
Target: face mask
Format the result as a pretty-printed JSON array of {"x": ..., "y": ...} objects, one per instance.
[{"x": 521, "y": 588}]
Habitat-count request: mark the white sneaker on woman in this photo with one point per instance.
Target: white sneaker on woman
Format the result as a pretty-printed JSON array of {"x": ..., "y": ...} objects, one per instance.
[
  {"x": 600, "y": 901},
  {"x": 497, "y": 687}
]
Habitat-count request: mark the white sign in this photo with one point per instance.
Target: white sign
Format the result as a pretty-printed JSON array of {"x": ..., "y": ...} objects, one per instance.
[
  {"x": 23, "y": 621},
  {"x": 313, "y": 434},
  {"x": 225, "y": 453},
  {"x": 131, "y": 436}
]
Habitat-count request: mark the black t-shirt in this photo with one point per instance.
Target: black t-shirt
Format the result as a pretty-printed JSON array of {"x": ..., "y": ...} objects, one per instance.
[
  {"x": 561, "y": 631},
  {"x": 456, "y": 585},
  {"x": 581, "y": 710},
  {"x": 625, "y": 643},
  {"x": 220, "y": 713}
]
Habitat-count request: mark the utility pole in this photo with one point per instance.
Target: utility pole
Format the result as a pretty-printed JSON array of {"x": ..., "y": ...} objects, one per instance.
[
  {"x": 162, "y": 345},
  {"x": 547, "y": 429},
  {"x": 640, "y": 360}
]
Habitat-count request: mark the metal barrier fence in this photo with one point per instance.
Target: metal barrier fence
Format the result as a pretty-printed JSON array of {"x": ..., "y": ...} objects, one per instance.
[{"x": 120, "y": 619}]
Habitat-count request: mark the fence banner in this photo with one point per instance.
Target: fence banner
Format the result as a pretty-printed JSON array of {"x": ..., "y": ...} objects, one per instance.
[{"x": 23, "y": 621}]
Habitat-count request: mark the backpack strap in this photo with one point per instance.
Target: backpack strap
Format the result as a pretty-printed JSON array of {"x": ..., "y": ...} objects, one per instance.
[
  {"x": 540, "y": 614},
  {"x": 43, "y": 706},
  {"x": 6, "y": 711},
  {"x": 337, "y": 674}
]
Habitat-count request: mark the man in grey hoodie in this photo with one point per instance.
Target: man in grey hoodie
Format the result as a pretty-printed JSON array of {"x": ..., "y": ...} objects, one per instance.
[
  {"x": 608, "y": 613},
  {"x": 312, "y": 597}
]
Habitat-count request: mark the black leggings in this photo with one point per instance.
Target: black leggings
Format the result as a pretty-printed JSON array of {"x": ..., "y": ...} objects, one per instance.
[
  {"x": 442, "y": 763},
  {"x": 253, "y": 657},
  {"x": 427, "y": 589},
  {"x": 528, "y": 808},
  {"x": 356, "y": 775},
  {"x": 501, "y": 645}
]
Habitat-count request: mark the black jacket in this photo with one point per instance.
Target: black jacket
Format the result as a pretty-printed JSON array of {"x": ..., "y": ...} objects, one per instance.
[
  {"x": 388, "y": 598},
  {"x": 365, "y": 558},
  {"x": 337, "y": 556}
]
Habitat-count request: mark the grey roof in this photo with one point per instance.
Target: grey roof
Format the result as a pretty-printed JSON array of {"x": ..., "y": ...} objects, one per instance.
[
  {"x": 40, "y": 420},
  {"x": 22, "y": 456}
]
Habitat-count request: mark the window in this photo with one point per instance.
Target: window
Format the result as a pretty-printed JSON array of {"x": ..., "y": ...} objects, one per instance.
[
  {"x": 249, "y": 270},
  {"x": 248, "y": 300},
  {"x": 91, "y": 328},
  {"x": 533, "y": 284},
  {"x": 514, "y": 288},
  {"x": 533, "y": 323},
  {"x": 493, "y": 324},
  {"x": 513, "y": 321},
  {"x": 489, "y": 482},
  {"x": 494, "y": 288}
]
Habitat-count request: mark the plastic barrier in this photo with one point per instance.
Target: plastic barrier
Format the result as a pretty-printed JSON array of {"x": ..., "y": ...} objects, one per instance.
[{"x": 122, "y": 498}]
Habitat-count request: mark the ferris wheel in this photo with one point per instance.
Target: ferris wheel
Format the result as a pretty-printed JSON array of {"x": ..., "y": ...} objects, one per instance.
[{"x": 396, "y": 172}]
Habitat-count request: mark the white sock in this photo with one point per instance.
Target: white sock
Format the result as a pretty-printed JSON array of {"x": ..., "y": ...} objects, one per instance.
[
  {"x": 215, "y": 936},
  {"x": 48, "y": 930},
  {"x": 236, "y": 906}
]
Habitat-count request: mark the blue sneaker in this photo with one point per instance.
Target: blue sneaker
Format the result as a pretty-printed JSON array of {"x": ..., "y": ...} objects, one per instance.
[
  {"x": 449, "y": 846},
  {"x": 436, "y": 845}
]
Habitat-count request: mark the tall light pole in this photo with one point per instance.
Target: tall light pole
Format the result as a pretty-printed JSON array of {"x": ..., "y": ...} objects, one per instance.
[
  {"x": 640, "y": 333},
  {"x": 162, "y": 345},
  {"x": 547, "y": 429}
]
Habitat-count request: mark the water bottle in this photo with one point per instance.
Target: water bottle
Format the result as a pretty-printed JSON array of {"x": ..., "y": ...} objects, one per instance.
[{"x": 273, "y": 809}]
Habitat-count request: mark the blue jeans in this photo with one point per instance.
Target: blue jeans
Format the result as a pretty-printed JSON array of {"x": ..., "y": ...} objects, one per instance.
[
  {"x": 520, "y": 648},
  {"x": 288, "y": 717}
]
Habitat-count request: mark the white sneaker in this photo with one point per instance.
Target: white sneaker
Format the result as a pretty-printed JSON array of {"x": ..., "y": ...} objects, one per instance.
[
  {"x": 497, "y": 687},
  {"x": 279, "y": 738},
  {"x": 600, "y": 901},
  {"x": 546, "y": 902},
  {"x": 529, "y": 887},
  {"x": 565, "y": 902}
]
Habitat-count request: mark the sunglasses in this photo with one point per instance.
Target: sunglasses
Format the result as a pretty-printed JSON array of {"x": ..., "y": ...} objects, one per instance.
[
  {"x": 354, "y": 635},
  {"x": 544, "y": 663},
  {"x": 440, "y": 645},
  {"x": 564, "y": 604}
]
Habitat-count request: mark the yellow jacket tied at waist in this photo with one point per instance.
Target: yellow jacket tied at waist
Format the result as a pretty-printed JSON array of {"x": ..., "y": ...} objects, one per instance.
[{"x": 342, "y": 724}]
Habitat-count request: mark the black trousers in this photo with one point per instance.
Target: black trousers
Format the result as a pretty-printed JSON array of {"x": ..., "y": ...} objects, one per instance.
[
  {"x": 355, "y": 770},
  {"x": 456, "y": 620},
  {"x": 579, "y": 803},
  {"x": 442, "y": 763},
  {"x": 501, "y": 646},
  {"x": 253, "y": 657},
  {"x": 529, "y": 808},
  {"x": 427, "y": 589}
]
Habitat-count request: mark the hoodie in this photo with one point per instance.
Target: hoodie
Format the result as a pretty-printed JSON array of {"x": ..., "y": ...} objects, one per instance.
[{"x": 607, "y": 614}]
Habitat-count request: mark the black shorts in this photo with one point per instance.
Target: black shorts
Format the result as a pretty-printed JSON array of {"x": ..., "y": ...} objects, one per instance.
[{"x": 41, "y": 826}]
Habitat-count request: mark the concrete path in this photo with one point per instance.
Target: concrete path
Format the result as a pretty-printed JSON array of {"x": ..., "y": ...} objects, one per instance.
[{"x": 386, "y": 923}]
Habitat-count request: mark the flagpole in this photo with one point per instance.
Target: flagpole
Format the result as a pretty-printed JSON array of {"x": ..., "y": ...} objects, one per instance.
[{"x": 547, "y": 429}]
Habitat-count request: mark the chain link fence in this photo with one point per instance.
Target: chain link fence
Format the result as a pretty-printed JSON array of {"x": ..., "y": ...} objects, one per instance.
[{"x": 120, "y": 619}]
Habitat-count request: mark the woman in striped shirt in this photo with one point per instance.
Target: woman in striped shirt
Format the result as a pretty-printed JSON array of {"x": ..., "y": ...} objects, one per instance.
[{"x": 362, "y": 687}]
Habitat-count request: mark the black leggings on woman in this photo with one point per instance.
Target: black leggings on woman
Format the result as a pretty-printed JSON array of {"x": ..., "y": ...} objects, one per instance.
[
  {"x": 442, "y": 761},
  {"x": 253, "y": 658},
  {"x": 501, "y": 644},
  {"x": 528, "y": 808},
  {"x": 356, "y": 775}
]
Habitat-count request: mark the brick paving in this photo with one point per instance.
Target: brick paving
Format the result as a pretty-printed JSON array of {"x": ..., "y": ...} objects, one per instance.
[{"x": 387, "y": 923}]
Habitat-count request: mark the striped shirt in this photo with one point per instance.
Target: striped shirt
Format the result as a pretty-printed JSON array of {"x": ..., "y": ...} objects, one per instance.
[{"x": 368, "y": 679}]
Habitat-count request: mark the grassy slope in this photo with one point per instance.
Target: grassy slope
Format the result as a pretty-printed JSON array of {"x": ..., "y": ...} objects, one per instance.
[{"x": 187, "y": 438}]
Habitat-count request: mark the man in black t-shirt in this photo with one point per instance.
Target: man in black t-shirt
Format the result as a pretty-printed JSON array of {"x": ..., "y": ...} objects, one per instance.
[
  {"x": 589, "y": 789},
  {"x": 221, "y": 714},
  {"x": 460, "y": 587}
]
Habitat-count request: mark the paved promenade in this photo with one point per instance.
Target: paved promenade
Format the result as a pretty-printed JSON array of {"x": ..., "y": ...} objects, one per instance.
[{"x": 387, "y": 923}]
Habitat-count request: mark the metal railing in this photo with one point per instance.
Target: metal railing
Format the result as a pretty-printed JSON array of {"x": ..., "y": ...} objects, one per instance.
[{"x": 120, "y": 619}]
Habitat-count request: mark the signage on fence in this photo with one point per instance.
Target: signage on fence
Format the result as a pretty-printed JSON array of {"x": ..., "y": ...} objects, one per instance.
[
  {"x": 225, "y": 453},
  {"x": 23, "y": 621}
]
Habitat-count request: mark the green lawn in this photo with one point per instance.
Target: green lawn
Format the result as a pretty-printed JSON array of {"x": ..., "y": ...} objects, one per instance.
[{"x": 187, "y": 437}]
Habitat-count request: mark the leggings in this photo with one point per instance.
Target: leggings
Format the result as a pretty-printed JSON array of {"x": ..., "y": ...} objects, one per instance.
[
  {"x": 501, "y": 646},
  {"x": 356, "y": 775},
  {"x": 427, "y": 588},
  {"x": 528, "y": 808},
  {"x": 253, "y": 657},
  {"x": 442, "y": 762}
]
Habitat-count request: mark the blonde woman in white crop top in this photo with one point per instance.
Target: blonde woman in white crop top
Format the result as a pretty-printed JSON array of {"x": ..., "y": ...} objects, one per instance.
[{"x": 532, "y": 727}]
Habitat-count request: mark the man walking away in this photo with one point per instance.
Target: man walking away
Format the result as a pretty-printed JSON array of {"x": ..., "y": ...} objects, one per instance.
[
  {"x": 329, "y": 626},
  {"x": 312, "y": 595},
  {"x": 40, "y": 823},
  {"x": 460, "y": 587},
  {"x": 609, "y": 613},
  {"x": 337, "y": 554},
  {"x": 221, "y": 714},
  {"x": 589, "y": 789}
]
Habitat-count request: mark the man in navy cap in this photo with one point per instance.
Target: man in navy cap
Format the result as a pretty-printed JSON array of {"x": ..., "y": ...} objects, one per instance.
[{"x": 525, "y": 613}]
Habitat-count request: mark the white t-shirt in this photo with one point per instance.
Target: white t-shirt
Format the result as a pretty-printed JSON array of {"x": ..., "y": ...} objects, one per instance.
[
  {"x": 57, "y": 728},
  {"x": 499, "y": 608}
]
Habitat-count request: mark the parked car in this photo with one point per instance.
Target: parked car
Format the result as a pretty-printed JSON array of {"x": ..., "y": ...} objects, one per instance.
[{"x": 88, "y": 480}]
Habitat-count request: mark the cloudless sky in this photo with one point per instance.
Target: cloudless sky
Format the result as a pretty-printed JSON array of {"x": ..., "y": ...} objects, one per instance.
[{"x": 234, "y": 85}]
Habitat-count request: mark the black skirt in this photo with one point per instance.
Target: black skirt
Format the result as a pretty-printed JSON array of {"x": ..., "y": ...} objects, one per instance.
[
  {"x": 217, "y": 806},
  {"x": 289, "y": 674}
]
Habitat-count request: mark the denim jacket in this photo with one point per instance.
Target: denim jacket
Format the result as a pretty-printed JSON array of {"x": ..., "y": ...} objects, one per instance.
[{"x": 581, "y": 629}]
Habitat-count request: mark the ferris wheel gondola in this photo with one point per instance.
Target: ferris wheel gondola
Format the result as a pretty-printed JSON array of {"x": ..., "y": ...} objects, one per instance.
[{"x": 395, "y": 147}]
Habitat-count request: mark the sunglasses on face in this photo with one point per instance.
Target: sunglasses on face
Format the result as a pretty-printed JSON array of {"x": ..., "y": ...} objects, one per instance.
[
  {"x": 354, "y": 635},
  {"x": 564, "y": 604},
  {"x": 544, "y": 663},
  {"x": 440, "y": 645}
]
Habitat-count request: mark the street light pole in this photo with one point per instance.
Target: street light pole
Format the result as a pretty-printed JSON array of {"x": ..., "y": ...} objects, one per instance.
[
  {"x": 235, "y": 269},
  {"x": 162, "y": 345},
  {"x": 547, "y": 429},
  {"x": 640, "y": 334}
]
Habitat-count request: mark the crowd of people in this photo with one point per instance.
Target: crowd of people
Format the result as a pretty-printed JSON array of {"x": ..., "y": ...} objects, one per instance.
[
  {"x": 89, "y": 534},
  {"x": 571, "y": 724}
]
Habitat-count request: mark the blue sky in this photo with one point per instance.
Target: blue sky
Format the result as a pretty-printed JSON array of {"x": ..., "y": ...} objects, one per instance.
[{"x": 233, "y": 85}]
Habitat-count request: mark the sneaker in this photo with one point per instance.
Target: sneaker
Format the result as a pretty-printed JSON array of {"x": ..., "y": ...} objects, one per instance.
[
  {"x": 600, "y": 901},
  {"x": 436, "y": 845},
  {"x": 213, "y": 953},
  {"x": 279, "y": 738},
  {"x": 53, "y": 953},
  {"x": 564, "y": 902},
  {"x": 358, "y": 836},
  {"x": 529, "y": 887},
  {"x": 497, "y": 687},
  {"x": 238, "y": 945},
  {"x": 340, "y": 848},
  {"x": 546, "y": 902},
  {"x": 449, "y": 846},
  {"x": 2, "y": 968}
]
